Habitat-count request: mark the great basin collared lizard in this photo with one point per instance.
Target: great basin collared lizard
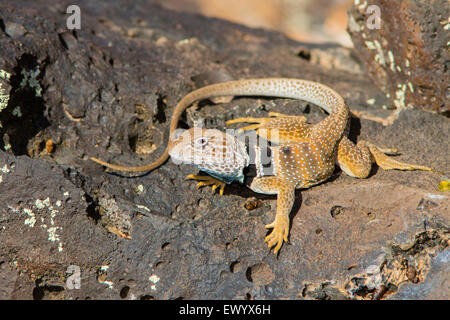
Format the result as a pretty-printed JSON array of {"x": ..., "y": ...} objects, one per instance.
[{"x": 302, "y": 155}]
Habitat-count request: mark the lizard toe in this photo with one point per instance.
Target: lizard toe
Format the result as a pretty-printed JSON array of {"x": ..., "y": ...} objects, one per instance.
[
  {"x": 278, "y": 235},
  {"x": 208, "y": 181}
]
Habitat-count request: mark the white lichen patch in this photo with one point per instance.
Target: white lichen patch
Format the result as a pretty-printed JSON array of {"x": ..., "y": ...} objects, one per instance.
[
  {"x": 4, "y": 99},
  {"x": 47, "y": 202},
  {"x": 154, "y": 279},
  {"x": 109, "y": 284},
  {"x": 52, "y": 229},
  {"x": 446, "y": 24},
  {"x": 14, "y": 210},
  {"x": 391, "y": 60},
  {"x": 400, "y": 94},
  {"x": 31, "y": 220},
  {"x": 104, "y": 268},
  {"x": 140, "y": 189},
  {"x": 370, "y": 45},
  {"x": 370, "y": 101},
  {"x": 39, "y": 204},
  {"x": 4, "y": 169},
  {"x": 140, "y": 206},
  {"x": 5, "y": 75},
  {"x": 102, "y": 274},
  {"x": 4, "y": 96},
  {"x": 379, "y": 56},
  {"x": 52, "y": 234},
  {"x": 361, "y": 6}
]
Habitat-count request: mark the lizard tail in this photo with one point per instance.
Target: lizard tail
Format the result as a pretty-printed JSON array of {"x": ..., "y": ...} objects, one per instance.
[
  {"x": 310, "y": 91},
  {"x": 148, "y": 167}
]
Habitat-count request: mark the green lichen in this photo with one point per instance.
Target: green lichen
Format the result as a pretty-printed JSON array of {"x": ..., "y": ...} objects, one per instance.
[
  {"x": 29, "y": 78},
  {"x": 5, "y": 75},
  {"x": 17, "y": 112}
]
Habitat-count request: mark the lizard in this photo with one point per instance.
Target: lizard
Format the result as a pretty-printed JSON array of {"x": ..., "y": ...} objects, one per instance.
[{"x": 302, "y": 155}]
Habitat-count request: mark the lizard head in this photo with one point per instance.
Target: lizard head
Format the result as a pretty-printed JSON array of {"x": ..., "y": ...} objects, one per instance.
[{"x": 219, "y": 154}]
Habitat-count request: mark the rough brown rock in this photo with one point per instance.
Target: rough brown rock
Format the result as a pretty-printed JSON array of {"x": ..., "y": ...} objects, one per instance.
[
  {"x": 108, "y": 89},
  {"x": 407, "y": 56}
]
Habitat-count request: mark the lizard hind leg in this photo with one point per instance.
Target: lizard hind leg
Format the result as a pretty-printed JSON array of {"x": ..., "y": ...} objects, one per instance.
[
  {"x": 388, "y": 163},
  {"x": 274, "y": 120},
  {"x": 259, "y": 122},
  {"x": 276, "y": 128},
  {"x": 300, "y": 119},
  {"x": 356, "y": 160},
  {"x": 208, "y": 181}
]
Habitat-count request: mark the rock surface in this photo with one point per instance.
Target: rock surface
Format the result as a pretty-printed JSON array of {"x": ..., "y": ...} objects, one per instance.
[
  {"x": 108, "y": 89},
  {"x": 406, "y": 51}
]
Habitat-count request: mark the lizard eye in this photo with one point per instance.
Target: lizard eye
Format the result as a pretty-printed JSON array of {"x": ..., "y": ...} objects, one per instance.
[{"x": 201, "y": 142}]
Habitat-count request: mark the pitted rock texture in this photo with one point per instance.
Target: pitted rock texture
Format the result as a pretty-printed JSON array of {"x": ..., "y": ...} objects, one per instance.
[
  {"x": 108, "y": 90},
  {"x": 406, "y": 51}
]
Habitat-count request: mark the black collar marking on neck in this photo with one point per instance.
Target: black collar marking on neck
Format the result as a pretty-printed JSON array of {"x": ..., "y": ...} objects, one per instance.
[{"x": 260, "y": 162}]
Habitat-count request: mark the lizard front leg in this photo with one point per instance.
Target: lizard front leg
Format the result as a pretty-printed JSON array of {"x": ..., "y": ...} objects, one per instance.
[
  {"x": 278, "y": 128},
  {"x": 285, "y": 199}
]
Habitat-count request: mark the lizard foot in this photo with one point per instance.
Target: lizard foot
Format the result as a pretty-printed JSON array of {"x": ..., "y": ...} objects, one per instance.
[
  {"x": 208, "y": 181},
  {"x": 279, "y": 233},
  {"x": 259, "y": 123},
  {"x": 388, "y": 163}
]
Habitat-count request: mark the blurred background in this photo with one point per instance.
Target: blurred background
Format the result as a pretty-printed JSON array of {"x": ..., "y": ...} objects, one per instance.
[{"x": 303, "y": 20}]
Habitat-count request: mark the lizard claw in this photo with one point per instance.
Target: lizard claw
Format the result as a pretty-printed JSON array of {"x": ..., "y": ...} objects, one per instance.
[
  {"x": 279, "y": 233},
  {"x": 208, "y": 181}
]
